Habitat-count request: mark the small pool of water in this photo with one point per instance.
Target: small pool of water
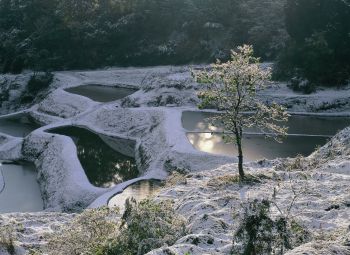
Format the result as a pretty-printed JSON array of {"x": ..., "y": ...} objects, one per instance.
[
  {"x": 140, "y": 190},
  {"x": 18, "y": 126},
  {"x": 103, "y": 165},
  {"x": 257, "y": 146},
  {"x": 21, "y": 192},
  {"x": 101, "y": 93}
]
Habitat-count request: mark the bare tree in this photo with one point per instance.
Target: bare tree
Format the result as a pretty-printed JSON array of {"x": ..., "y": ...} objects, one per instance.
[{"x": 232, "y": 88}]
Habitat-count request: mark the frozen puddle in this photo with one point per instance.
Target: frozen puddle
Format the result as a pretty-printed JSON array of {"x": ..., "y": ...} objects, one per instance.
[
  {"x": 101, "y": 93},
  {"x": 140, "y": 190},
  {"x": 307, "y": 132},
  {"x": 19, "y": 126},
  {"x": 103, "y": 164},
  {"x": 21, "y": 192}
]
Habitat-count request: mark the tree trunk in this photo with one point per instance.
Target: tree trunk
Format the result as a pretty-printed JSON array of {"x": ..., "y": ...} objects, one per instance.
[
  {"x": 240, "y": 161},
  {"x": 240, "y": 154}
]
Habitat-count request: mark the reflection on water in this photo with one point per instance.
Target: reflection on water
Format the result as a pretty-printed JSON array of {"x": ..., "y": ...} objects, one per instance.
[
  {"x": 257, "y": 147},
  {"x": 21, "y": 192},
  {"x": 199, "y": 121},
  {"x": 140, "y": 190},
  {"x": 101, "y": 93},
  {"x": 19, "y": 126},
  {"x": 103, "y": 166},
  {"x": 312, "y": 125}
]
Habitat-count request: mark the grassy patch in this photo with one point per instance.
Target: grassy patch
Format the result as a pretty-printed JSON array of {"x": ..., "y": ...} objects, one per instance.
[{"x": 231, "y": 179}]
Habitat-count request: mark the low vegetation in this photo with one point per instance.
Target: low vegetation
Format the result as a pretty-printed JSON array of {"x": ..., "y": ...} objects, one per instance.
[
  {"x": 144, "y": 226},
  {"x": 86, "y": 234},
  {"x": 231, "y": 179},
  {"x": 259, "y": 232},
  {"x": 37, "y": 84},
  {"x": 7, "y": 239}
]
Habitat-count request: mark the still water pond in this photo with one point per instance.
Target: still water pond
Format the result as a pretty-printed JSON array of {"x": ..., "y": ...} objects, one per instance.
[
  {"x": 19, "y": 126},
  {"x": 21, "y": 192},
  {"x": 103, "y": 165},
  {"x": 139, "y": 191},
  {"x": 256, "y": 147},
  {"x": 101, "y": 93}
]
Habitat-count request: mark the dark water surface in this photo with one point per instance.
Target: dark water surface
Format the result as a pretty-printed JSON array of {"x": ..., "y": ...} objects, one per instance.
[
  {"x": 256, "y": 146},
  {"x": 21, "y": 192},
  {"x": 101, "y": 93},
  {"x": 19, "y": 126},
  {"x": 140, "y": 190},
  {"x": 103, "y": 165}
]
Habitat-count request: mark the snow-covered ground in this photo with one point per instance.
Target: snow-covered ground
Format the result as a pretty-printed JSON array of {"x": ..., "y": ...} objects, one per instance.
[
  {"x": 321, "y": 183},
  {"x": 151, "y": 117}
]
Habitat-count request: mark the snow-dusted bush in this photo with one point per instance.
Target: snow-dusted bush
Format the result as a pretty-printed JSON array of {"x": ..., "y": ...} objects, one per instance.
[
  {"x": 37, "y": 83},
  {"x": 86, "y": 234},
  {"x": 259, "y": 232},
  {"x": 7, "y": 239},
  {"x": 146, "y": 226}
]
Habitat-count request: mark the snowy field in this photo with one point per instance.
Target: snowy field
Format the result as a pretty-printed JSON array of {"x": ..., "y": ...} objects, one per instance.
[{"x": 151, "y": 119}]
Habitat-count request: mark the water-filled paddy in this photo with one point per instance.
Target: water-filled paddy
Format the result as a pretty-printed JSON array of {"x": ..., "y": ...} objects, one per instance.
[
  {"x": 103, "y": 165},
  {"x": 139, "y": 191},
  {"x": 21, "y": 192},
  {"x": 19, "y": 126},
  {"x": 101, "y": 93},
  {"x": 297, "y": 124},
  {"x": 256, "y": 146}
]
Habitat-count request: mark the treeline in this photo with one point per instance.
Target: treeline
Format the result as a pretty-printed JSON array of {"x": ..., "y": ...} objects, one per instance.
[
  {"x": 319, "y": 46},
  {"x": 66, "y": 34},
  {"x": 308, "y": 38}
]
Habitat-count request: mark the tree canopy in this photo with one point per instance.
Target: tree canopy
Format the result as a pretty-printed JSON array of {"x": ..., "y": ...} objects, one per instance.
[
  {"x": 319, "y": 46},
  {"x": 41, "y": 34},
  {"x": 232, "y": 88}
]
